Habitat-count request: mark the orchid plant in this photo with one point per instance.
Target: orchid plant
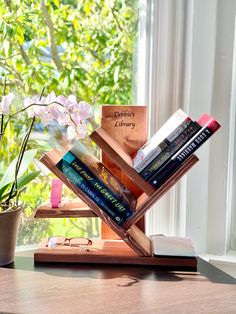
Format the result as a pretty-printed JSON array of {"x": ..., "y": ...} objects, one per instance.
[{"x": 68, "y": 113}]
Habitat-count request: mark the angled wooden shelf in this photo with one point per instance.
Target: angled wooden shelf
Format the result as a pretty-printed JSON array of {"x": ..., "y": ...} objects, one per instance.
[
  {"x": 144, "y": 202},
  {"x": 124, "y": 161},
  {"x": 119, "y": 156}
]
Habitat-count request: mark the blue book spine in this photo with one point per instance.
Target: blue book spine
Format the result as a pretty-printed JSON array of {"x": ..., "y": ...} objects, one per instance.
[
  {"x": 85, "y": 173},
  {"x": 182, "y": 155},
  {"x": 85, "y": 187},
  {"x": 169, "y": 151}
]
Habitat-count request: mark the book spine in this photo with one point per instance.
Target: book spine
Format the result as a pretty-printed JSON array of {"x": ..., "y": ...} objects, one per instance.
[
  {"x": 173, "y": 135},
  {"x": 104, "y": 175},
  {"x": 161, "y": 159},
  {"x": 169, "y": 126},
  {"x": 185, "y": 152},
  {"x": 84, "y": 186},
  {"x": 159, "y": 148},
  {"x": 150, "y": 156},
  {"x": 85, "y": 173}
]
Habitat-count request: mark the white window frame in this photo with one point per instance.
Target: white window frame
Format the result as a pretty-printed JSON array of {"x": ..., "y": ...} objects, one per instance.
[{"x": 180, "y": 66}]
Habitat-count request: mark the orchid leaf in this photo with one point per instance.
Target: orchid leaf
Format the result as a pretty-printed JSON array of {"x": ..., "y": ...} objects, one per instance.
[
  {"x": 3, "y": 189},
  {"x": 4, "y": 196},
  {"x": 27, "y": 178},
  {"x": 21, "y": 183},
  {"x": 9, "y": 175}
]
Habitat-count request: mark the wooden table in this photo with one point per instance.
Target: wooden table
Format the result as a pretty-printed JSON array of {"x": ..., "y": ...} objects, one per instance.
[{"x": 55, "y": 288}]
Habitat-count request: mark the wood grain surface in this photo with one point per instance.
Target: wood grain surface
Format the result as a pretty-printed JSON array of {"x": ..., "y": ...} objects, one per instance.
[
  {"x": 127, "y": 127},
  {"x": 68, "y": 208},
  {"x": 113, "y": 289},
  {"x": 145, "y": 202},
  {"x": 121, "y": 161},
  {"x": 107, "y": 252}
]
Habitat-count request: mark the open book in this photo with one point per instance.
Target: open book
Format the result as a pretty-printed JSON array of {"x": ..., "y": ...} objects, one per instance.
[{"x": 172, "y": 246}]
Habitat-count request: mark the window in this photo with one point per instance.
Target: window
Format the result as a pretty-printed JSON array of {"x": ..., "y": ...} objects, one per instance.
[
  {"x": 86, "y": 48},
  {"x": 185, "y": 59}
]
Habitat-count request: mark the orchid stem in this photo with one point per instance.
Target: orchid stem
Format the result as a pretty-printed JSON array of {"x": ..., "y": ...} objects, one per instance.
[
  {"x": 2, "y": 117},
  {"x": 13, "y": 190}
]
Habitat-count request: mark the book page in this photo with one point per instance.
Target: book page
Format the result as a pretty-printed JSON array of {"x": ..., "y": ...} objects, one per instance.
[{"x": 172, "y": 246}]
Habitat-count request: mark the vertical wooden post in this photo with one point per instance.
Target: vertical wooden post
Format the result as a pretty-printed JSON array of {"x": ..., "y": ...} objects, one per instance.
[{"x": 128, "y": 126}]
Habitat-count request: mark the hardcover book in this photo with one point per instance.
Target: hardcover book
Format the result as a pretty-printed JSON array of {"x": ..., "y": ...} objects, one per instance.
[
  {"x": 81, "y": 168},
  {"x": 95, "y": 169},
  {"x": 208, "y": 127},
  {"x": 94, "y": 195},
  {"x": 163, "y": 137}
]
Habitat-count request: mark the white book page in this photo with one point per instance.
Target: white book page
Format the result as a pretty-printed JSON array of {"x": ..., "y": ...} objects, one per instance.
[{"x": 172, "y": 246}]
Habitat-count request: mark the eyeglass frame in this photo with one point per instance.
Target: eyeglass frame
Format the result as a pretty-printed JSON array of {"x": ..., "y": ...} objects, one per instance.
[{"x": 90, "y": 242}]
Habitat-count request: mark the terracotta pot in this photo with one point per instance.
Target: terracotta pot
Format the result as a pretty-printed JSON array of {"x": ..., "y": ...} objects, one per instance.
[{"x": 9, "y": 227}]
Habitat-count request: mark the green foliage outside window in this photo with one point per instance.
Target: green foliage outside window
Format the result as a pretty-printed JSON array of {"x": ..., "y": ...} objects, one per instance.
[{"x": 80, "y": 47}]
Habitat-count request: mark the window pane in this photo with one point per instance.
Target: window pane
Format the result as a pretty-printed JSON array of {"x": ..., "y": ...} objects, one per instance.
[
  {"x": 233, "y": 217},
  {"x": 84, "y": 48}
]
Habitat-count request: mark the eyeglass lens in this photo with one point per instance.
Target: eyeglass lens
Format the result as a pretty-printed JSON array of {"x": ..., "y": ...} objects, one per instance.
[{"x": 73, "y": 242}]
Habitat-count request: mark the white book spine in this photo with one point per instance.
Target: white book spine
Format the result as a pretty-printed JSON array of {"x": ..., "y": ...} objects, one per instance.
[
  {"x": 143, "y": 163},
  {"x": 150, "y": 149}
]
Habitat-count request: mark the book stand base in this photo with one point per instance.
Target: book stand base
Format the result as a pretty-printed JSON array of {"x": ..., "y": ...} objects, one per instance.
[{"x": 108, "y": 252}]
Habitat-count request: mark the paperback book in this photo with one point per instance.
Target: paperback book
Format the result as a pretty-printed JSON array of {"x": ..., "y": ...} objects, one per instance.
[
  {"x": 94, "y": 195},
  {"x": 163, "y": 137},
  {"x": 208, "y": 127},
  {"x": 81, "y": 168},
  {"x": 97, "y": 170},
  {"x": 170, "y": 150}
]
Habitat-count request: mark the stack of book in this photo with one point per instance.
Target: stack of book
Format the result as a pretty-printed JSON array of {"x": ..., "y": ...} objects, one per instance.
[
  {"x": 156, "y": 161},
  {"x": 91, "y": 176},
  {"x": 171, "y": 146}
]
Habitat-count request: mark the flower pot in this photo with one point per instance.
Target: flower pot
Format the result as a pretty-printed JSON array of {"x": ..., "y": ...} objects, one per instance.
[{"x": 9, "y": 226}]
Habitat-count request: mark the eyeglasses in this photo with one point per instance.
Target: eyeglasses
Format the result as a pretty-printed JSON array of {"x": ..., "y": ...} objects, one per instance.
[{"x": 75, "y": 242}]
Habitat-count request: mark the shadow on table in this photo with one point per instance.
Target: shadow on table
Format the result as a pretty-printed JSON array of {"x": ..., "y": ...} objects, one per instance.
[{"x": 204, "y": 271}]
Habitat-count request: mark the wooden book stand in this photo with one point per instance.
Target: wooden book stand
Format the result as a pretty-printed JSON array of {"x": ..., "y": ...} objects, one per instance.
[{"x": 134, "y": 247}]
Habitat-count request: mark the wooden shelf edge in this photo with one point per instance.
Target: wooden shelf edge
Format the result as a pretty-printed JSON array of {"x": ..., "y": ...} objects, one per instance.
[
  {"x": 149, "y": 201},
  {"x": 40, "y": 256},
  {"x": 58, "y": 213},
  {"x": 73, "y": 208},
  {"x": 111, "y": 252},
  {"x": 115, "y": 152}
]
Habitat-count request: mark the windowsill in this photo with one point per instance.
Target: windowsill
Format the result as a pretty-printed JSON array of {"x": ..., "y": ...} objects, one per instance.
[
  {"x": 226, "y": 263},
  {"x": 23, "y": 248}
]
